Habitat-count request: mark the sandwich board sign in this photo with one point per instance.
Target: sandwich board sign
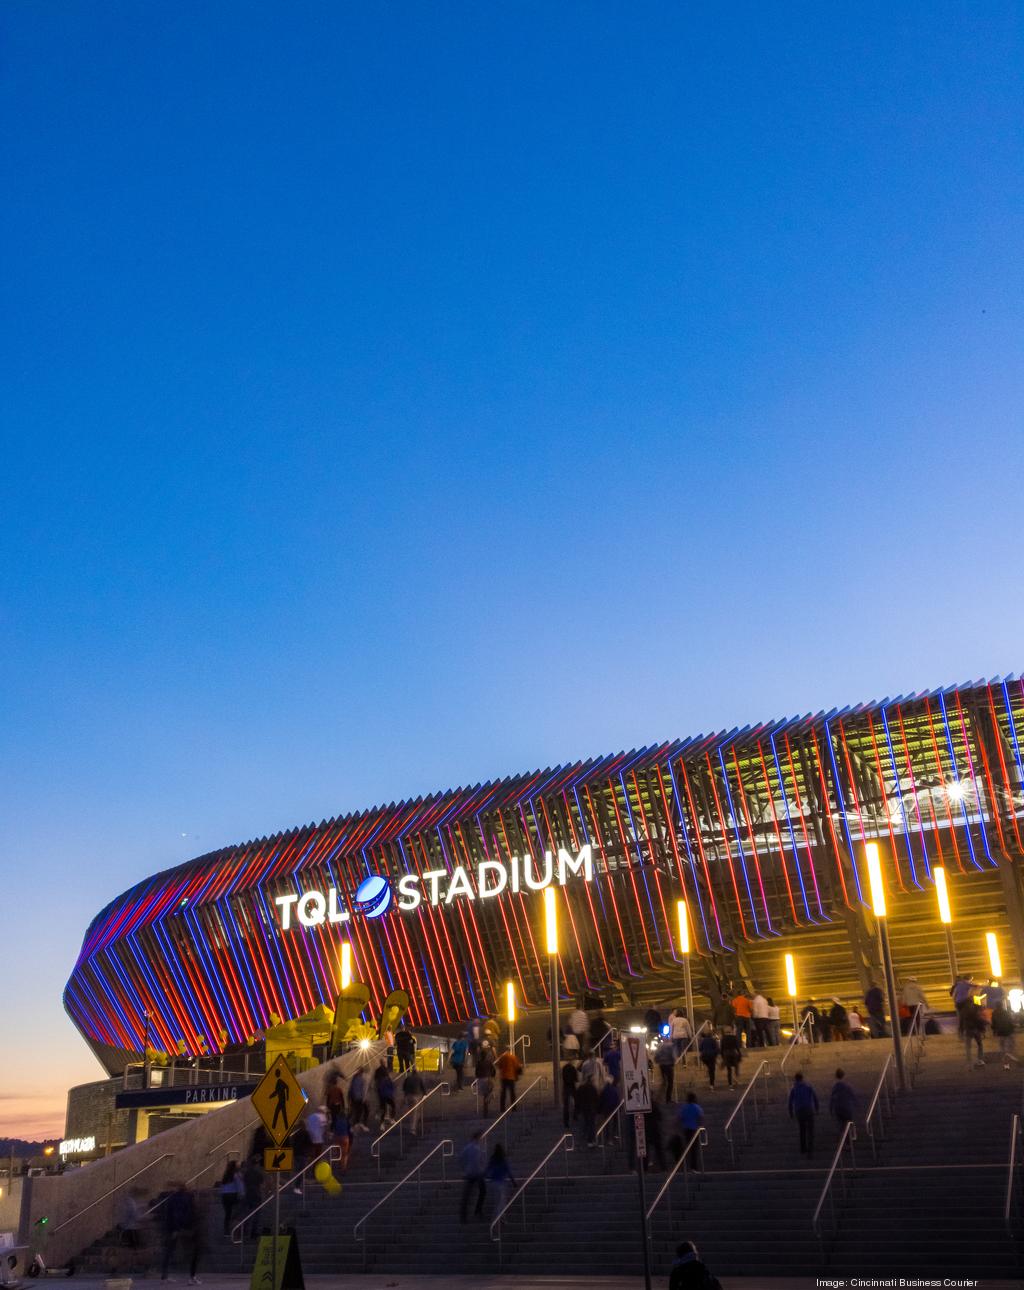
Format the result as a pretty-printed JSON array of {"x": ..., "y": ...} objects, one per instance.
[{"x": 636, "y": 1084}]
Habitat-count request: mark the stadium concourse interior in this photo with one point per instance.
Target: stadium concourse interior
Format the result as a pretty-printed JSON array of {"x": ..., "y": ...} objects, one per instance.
[
  {"x": 825, "y": 961},
  {"x": 943, "y": 1148}
]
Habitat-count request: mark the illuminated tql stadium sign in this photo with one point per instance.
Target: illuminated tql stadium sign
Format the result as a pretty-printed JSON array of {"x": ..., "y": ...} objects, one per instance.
[{"x": 373, "y": 896}]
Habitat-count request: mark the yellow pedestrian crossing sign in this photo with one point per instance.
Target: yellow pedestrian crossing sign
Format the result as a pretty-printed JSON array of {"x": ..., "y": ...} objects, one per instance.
[{"x": 278, "y": 1100}]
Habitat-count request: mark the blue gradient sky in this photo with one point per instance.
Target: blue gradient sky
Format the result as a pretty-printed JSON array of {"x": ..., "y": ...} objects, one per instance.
[{"x": 397, "y": 396}]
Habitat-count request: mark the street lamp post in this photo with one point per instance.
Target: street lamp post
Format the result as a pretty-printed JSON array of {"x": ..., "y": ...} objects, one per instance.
[
  {"x": 684, "y": 949},
  {"x": 945, "y": 915},
  {"x": 791, "y": 988},
  {"x": 346, "y": 965},
  {"x": 551, "y": 940},
  {"x": 877, "y": 887}
]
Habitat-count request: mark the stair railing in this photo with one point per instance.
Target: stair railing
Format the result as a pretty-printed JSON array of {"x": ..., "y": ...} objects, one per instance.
[
  {"x": 805, "y": 1028},
  {"x": 847, "y": 1139},
  {"x": 523, "y": 1040},
  {"x": 1012, "y": 1172},
  {"x": 609, "y": 1132},
  {"x": 691, "y": 1043},
  {"x": 759, "y": 1080},
  {"x": 540, "y": 1084},
  {"x": 414, "y": 1115},
  {"x": 445, "y": 1149},
  {"x": 698, "y": 1142},
  {"x": 880, "y": 1106},
  {"x": 211, "y": 1164},
  {"x": 330, "y": 1154},
  {"x": 913, "y": 1043},
  {"x": 606, "y": 1038},
  {"x": 565, "y": 1143},
  {"x": 168, "y": 1155}
]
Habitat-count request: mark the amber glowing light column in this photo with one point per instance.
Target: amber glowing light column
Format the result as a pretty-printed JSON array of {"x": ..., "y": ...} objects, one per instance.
[
  {"x": 945, "y": 915},
  {"x": 551, "y": 942},
  {"x": 684, "y": 950}
]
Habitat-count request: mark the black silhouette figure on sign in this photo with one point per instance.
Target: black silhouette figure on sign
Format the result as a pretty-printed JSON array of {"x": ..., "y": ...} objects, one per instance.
[{"x": 282, "y": 1093}]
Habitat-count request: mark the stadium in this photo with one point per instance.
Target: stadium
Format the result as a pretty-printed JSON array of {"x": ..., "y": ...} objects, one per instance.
[{"x": 761, "y": 830}]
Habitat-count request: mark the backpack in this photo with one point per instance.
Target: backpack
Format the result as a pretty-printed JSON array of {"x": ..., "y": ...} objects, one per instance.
[{"x": 1002, "y": 1022}]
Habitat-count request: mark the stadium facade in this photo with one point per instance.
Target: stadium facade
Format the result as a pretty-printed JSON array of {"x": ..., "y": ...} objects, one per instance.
[{"x": 762, "y": 830}]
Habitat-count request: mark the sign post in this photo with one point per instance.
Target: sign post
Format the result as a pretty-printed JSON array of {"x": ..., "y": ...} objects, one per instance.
[
  {"x": 636, "y": 1101},
  {"x": 278, "y": 1100}
]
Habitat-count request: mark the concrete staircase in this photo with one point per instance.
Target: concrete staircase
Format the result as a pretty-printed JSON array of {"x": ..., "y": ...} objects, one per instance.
[{"x": 932, "y": 1205}]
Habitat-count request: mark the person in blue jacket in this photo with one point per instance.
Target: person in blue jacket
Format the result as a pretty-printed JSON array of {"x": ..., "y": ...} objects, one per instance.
[{"x": 803, "y": 1107}]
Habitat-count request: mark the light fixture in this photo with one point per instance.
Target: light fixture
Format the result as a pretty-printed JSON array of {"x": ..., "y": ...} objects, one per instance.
[
  {"x": 550, "y": 920},
  {"x": 956, "y": 792},
  {"x": 510, "y": 1001},
  {"x": 942, "y": 894},
  {"x": 684, "y": 928},
  {"x": 875, "y": 882},
  {"x": 346, "y": 965},
  {"x": 994, "y": 961},
  {"x": 790, "y": 976}
]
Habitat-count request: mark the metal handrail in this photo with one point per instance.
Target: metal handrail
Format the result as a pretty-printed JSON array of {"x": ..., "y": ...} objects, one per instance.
[
  {"x": 447, "y": 1149},
  {"x": 333, "y": 1152},
  {"x": 211, "y": 1164},
  {"x": 849, "y": 1135},
  {"x": 915, "y": 1031},
  {"x": 704, "y": 1025},
  {"x": 740, "y": 1108},
  {"x": 613, "y": 1116},
  {"x": 444, "y": 1089},
  {"x": 567, "y": 1143},
  {"x": 541, "y": 1081},
  {"x": 875, "y": 1104},
  {"x": 212, "y": 1075},
  {"x": 808, "y": 1023},
  {"x": 1011, "y": 1171},
  {"x": 525, "y": 1041},
  {"x": 610, "y": 1033},
  {"x": 699, "y": 1140},
  {"x": 168, "y": 1155}
]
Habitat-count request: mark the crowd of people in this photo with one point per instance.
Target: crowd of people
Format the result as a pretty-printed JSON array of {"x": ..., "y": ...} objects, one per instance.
[{"x": 371, "y": 1099}]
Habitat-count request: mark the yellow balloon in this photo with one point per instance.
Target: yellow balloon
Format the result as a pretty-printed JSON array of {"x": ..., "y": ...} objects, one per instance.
[{"x": 324, "y": 1175}]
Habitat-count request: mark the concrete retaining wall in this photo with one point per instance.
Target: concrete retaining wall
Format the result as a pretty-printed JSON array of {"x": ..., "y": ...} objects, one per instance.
[{"x": 82, "y": 1205}]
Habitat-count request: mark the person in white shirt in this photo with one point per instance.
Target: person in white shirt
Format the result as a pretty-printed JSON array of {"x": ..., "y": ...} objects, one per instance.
[
  {"x": 759, "y": 1012},
  {"x": 680, "y": 1030},
  {"x": 579, "y": 1024},
  {"x": 316, "y": 1125},
  {"x": 594, "y": 1070},
  {"x": 856, "y": 1024}
]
